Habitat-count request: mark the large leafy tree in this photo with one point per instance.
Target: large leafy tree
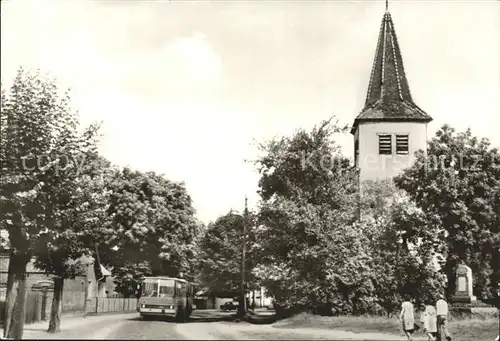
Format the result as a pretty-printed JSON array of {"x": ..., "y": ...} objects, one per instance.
[
  {"x": 458, "y": 185},
  {"x": 153, "y": 229},
  {"x": 310, "y": 254},
  {"x": 64, "y": 249},
  {"x": 60, "y": 246},
  {"x": 383, "y": 201},
  {"x": 220, "y": 255},
  {"x": 41, "y": 131},
  {"x": 307, "y": 166},
  {"x": 326, "y": 246},
  {"x": 402, "y": 244},
  {"x": 32, "y": 123},
  {"x": 307, "y": 190}
]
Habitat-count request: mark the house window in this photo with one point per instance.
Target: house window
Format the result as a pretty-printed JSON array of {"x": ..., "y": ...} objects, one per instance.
[
  {"x": 402, "y": 144},
  {"x": 385, "y": 144}
]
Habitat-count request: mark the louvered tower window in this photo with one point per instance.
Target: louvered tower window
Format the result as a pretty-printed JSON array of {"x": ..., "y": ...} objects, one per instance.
[
  {"x": 385, "y": 144},
  {"x": 402, "y": 144}
]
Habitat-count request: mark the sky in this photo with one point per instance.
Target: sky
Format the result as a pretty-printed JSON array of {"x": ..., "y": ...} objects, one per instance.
[{"x": 186, "y": 88}]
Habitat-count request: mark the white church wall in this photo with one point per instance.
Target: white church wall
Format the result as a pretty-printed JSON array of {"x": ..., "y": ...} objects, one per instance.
[{"x": 379, "y": 167}]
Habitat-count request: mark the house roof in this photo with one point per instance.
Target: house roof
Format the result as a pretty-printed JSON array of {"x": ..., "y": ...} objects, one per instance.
[
  {"x": 388, "y": 97},
  {"x": 104, "y": 271}
]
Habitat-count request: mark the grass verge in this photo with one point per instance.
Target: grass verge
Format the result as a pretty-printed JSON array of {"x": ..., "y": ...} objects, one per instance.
[{"x": 461, "y": 329}]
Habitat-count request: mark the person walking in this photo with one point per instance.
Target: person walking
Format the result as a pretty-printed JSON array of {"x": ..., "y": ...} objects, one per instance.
[
  {"x": 407, "y": 318},
  {"x": 429, "y": 321},
  {"x": 442, "y": 318}
]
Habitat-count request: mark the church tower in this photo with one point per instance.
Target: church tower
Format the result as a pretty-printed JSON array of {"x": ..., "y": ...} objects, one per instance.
[{"x": 391, "y": 127}]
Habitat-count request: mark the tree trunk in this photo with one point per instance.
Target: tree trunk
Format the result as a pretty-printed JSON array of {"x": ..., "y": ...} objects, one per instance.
[
  {"x": 8, "y": 309},
  {"x": 16, "y": 297},
  {"x": 86, "y": 293},
  {"x": 56, "y": 309}
]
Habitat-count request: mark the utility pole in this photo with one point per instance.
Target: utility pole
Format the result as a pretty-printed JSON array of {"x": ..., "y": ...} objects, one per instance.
[
  {"x": 242, "y": 306},
  {"x": 97, "y": 279}
]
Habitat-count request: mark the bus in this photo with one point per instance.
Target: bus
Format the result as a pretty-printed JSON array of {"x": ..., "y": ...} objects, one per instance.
[{"x": 166, "y": 297}]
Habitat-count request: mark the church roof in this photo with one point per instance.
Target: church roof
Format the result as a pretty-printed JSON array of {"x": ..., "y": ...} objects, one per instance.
[{"x": 389, "y": 97}]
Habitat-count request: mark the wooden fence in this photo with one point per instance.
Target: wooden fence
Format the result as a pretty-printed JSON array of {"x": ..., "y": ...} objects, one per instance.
[
  {"x": 99, "y": 305},
  {"x": 39, "y": 304}
]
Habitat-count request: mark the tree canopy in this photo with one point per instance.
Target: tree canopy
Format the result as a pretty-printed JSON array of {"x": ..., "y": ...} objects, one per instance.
[
  {"x": 42, "y": 158},
  {"x": 61, "y": 202},
  {"x": 221, "y": 254},
  {"x": 457, "y": 186},
  {"x": 153, "y": 229},
  {"x": 319, "y": 250}
]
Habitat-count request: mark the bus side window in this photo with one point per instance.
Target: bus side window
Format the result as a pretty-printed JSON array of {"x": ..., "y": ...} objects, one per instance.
[{"x": 178, "y": 288}]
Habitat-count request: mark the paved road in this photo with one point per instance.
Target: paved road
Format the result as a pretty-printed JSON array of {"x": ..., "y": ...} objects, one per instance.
[
  {"x": 131, "y": 326},
  {"x": 211, "y": 325},
  {"x": 137, "y": 329},
  {"x": 198, "y": 327},
  {"x": 203, "y": 325}
]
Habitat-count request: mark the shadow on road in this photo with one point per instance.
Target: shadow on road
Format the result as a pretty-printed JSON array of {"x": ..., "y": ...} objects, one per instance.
[
  {"x": 206, "y": 316},
  {"x": 260, "y": 318}
]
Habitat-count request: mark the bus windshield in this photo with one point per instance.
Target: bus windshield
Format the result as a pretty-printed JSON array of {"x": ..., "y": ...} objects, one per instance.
[
  {"x": 157, "y": 287},
  {"x": 150, "y": 288},
  {"x": 166, "y": 287}
]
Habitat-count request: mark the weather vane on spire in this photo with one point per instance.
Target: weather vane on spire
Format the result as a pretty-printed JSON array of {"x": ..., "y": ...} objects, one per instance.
[{"x": 387, "y": 5}]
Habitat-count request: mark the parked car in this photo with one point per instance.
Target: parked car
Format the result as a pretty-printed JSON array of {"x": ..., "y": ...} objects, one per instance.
[{"x": 229, "y": 306}]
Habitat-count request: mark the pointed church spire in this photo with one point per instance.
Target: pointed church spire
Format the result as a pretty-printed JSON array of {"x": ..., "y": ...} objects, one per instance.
[
  {"x": 388, "y": 96},
  {"x": 388, "y": 78}
]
